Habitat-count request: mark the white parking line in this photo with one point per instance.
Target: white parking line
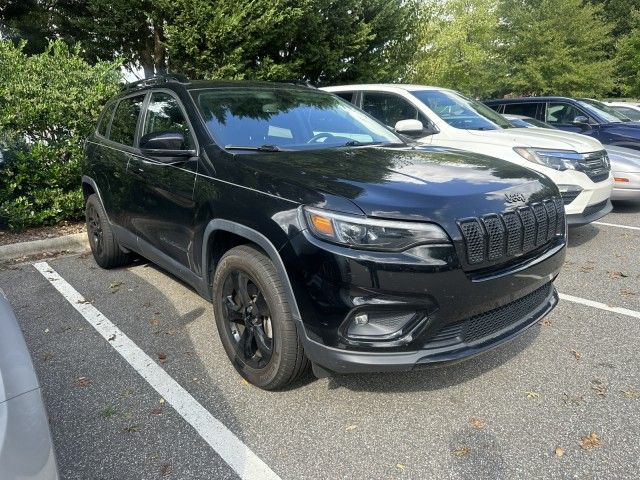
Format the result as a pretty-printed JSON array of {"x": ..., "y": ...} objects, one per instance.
[
  {"x": 616, "y": 225},
  {"x": 232, "y": 450},
  {"x": 601, "y": 306}
]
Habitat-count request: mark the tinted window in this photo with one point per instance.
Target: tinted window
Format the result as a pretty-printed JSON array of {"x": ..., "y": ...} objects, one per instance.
[
  {"x": 292, "y": 119},
  {"x": 105, "y": 118},
  {"x": 390, "y": 108},
  {"x": 461, "y": 112},
  {"x": 348, "y": 96},
  {"x": 524, "y": 109},
  {"x": 164, "y": 115},
  {"x": 562, "y": 113},
  {"x": 125, "y": 119}
]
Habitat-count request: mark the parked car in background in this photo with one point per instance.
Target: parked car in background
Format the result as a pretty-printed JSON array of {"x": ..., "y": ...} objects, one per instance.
[
  {"x": 437, "y": 116},
  {"x": 577, "y": 115},
  {"x": 26, "y": 449},
  {"x": 318, "y": 234},
  {"x": 628, "y": 109},
  {"x": 625, "y": 162}
]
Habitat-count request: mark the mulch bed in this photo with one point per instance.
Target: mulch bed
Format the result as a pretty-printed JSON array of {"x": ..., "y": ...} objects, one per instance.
[{"x": 40, "y": 233}]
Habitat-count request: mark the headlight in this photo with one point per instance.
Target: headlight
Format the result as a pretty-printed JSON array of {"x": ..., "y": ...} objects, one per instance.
[
  {"x": 369, "y": 233},
  {"x": 556, "y": 159}
]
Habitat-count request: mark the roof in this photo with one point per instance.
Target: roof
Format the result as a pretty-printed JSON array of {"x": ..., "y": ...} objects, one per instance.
[
  {"x": 377, "y": 86},
  {"x": 529, "y": 99},
  {"x": 171, "y": 79}
]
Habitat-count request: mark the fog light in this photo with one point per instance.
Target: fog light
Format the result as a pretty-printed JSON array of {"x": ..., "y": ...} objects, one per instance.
[
  {"x": 378, "y": 325},
  {"x": 361, "y": 319}
]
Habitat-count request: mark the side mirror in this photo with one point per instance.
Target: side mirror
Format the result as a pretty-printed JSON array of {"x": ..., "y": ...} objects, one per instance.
[
  {"x": 165, "y": 144},
  {"x": 581, "y": 120},
  {"x": 412, "y": 128}
]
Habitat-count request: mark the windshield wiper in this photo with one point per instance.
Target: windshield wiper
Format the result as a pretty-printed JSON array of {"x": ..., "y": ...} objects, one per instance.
[
  {"x": 261, "y": 148},
  {"x": 358, "y": 143}
]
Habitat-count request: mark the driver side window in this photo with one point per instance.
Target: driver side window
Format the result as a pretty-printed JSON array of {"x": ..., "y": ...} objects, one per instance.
[
  {"x": 562, "y": 114},
  {"x": 390, "y": 108},
  {"x": 164, "y": 115}
]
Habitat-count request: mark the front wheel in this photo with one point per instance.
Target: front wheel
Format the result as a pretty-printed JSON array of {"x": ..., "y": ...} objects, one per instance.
[{"x": 254, "y": 320}]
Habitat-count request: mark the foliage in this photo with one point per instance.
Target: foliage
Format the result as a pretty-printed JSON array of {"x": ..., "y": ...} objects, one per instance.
[
  {"x": 555, "y": 47},
  {"x": 457, "y": 46},
  {"x": 628, "y": 57},
  {"x": 48, "y": 105},
  {"x": 320, "y": 41}
]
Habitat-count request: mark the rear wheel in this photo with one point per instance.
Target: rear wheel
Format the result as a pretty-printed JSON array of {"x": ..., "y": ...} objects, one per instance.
[
  {"x": 104, "y": 246},
  {"x": 254, "y": 319}
]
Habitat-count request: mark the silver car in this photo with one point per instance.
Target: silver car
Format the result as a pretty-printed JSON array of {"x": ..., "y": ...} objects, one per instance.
[
  {"x": 26, "y": 449},
  {"x": 625, "y": 162}
]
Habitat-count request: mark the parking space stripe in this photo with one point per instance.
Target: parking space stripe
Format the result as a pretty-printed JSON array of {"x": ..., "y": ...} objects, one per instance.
[
  {"x": 601, "y": 306},
  {"x": 616, "y": 225},
  {"x": 232, "y": 450}
]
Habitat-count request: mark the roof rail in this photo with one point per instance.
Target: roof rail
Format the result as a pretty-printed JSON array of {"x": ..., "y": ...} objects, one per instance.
[
  {"x": 165, "y": 78},
  {"x": 302, "y": 83}
]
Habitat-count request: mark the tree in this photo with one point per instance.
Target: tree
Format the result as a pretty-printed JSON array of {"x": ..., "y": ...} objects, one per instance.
[
  {"x": 619, "y": 13},
  {"x": 49, "y": 104},
  {"x": 321, "y": 41},
  {"x": 457, "y": 46},
  {"x": 555, "y": 47},
  {"x": 27, "y": 21},
  {"x": 628, "y": 57}
]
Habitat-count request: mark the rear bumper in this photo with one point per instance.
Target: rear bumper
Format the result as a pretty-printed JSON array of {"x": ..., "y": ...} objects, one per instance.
[
  {"x": 341, "y": 361},
  {"x": 590, "y": 214}
]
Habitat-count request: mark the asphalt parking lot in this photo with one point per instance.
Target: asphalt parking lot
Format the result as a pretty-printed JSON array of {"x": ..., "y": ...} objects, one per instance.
[{"x": 561, "y": 401}]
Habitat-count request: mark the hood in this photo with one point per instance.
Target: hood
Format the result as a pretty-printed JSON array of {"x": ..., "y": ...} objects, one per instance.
[
  {"x": 623, "y": 159},
  {"x": 16, "y": 370},
  {"x": 422, "y": 183},
  {"x": 539, "y": 138},
  {"x": 627, "y": 129}
]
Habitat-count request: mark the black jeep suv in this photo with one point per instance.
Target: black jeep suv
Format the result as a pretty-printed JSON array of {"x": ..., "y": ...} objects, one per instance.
[{"x": 320, "y": 236}]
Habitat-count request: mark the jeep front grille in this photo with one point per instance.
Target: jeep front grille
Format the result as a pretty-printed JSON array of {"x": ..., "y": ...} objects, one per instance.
[{"x": 500, "y": 236}]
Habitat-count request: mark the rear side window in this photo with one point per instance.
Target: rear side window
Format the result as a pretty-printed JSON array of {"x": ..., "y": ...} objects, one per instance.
[
  {"x": 524, "y": 109},
  {"x": 348, "y": 96},
  {"x": 105, "y": 118},
  {"x": 164, "y": 115},
  {"x": 125, "y": 120}
]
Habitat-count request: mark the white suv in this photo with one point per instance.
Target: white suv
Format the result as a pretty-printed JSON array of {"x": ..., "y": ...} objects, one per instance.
[{"x": 578, "y": 164}]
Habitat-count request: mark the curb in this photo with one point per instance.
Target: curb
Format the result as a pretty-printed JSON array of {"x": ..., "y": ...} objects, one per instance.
[{"x": 77, "y": 242}]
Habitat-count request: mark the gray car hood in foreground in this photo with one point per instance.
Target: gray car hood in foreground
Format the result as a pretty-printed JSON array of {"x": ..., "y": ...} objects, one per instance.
[
  {"x": 16, "y": 370},
  {"x": 623, "y": 159}
]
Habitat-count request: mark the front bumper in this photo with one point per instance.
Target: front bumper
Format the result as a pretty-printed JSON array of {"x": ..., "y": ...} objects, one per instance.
[
  {"x": 590, "y": 214},
  {"x": 629, "y": 190},
  {"x": 459, "y": 313},
  {"x": 26, "y": 450}
]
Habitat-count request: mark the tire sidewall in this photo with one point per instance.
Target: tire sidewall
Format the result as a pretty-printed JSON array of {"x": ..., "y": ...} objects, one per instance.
[{"x": 264, "y": 376}]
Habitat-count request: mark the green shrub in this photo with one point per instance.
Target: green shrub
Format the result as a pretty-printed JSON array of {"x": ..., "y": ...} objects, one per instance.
[{"x": 48, "y": 106}]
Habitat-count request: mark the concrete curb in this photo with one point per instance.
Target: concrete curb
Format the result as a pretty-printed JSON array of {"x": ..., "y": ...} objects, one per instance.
[{"x": 77, "y": 242}]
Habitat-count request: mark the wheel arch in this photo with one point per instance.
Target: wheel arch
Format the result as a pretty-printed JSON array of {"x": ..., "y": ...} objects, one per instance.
[{"x": 249, "y": 235}]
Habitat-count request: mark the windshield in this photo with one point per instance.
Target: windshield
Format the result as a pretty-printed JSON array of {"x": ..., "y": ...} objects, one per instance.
[
  {"x": 461, "y": 112},
  {"x": 602, "y": 110},
  {"x": 286, "y": 119},
  {"x": 527, "y": 122}
]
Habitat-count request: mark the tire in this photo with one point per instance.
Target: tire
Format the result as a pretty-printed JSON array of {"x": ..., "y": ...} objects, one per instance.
[
  {"x": 104, "y": 246},
  {"x": 264, "y": 321}
]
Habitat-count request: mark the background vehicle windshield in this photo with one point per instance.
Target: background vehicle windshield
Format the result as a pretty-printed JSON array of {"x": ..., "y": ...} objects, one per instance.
[
  {"x": 602, "y": 110},
  {"x": 287, "y": 119},
  {"x": 461, "y": 112}
]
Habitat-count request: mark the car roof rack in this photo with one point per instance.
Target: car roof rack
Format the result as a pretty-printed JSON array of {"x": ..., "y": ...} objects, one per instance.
[
  {"x": 302, "y": 83},
  {"x": 158, "y": 79}
]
